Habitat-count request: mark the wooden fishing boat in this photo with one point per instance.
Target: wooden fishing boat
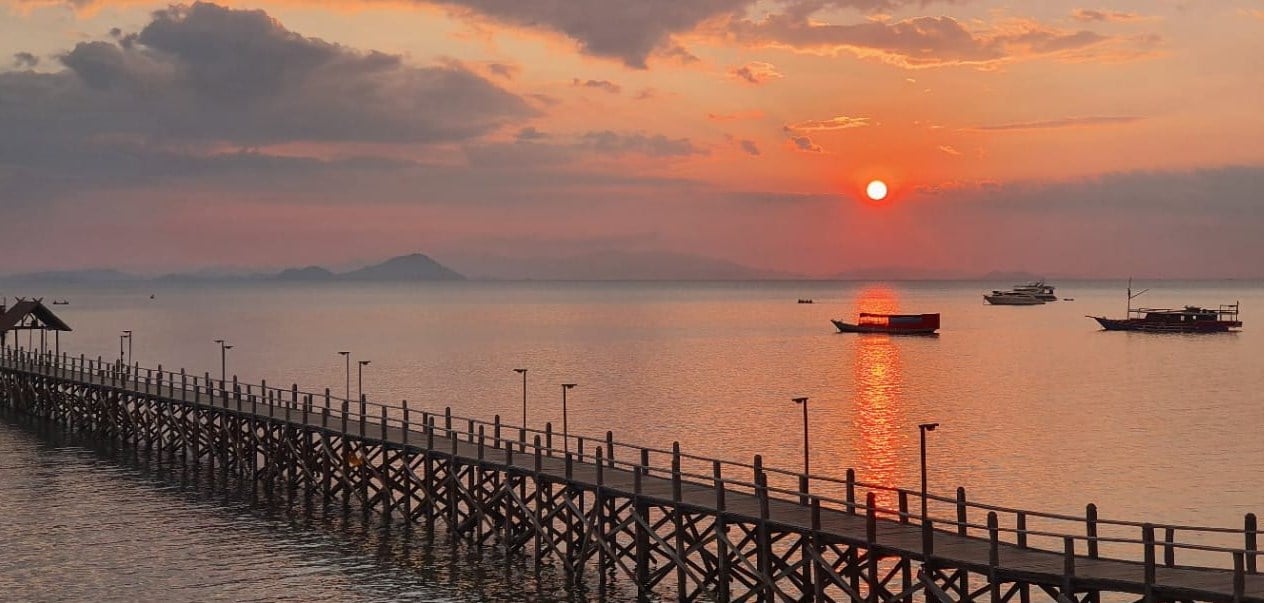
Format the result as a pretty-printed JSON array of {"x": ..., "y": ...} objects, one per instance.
[
  {"x": 1190, "y": 319},
  {"x": 893, "y": 324}
]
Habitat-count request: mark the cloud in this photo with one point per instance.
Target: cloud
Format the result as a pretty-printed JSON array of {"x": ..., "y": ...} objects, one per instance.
[
  {"x": 203, "y": 73},
  {"x": 928, "y": 41},
  {"x": 25, "y": 60},
  {"x": 504, "y": 70},
  {"x": 756, "y": 72},
  {"x": 605, "y": 85},
  {"x": 841, "y": 122},
  {"x": 614, "y": 143},
  {"x": 738, "y": 116},
  {"x": 530, "y": 133},
  {"x": 949, "y": 150},
  {"x": 199, "y": 82},
  {"x": 627, "y": 31},
  {"x": 803, "y": 143},
  {"x": 1088, "y": 16},
  {"x": 1065, "y": 122},
  {"x": 749, "y": 146}
]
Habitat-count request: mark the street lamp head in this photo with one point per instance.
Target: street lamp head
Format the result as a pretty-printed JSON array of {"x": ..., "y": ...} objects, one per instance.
[
  {"x": 364, "y": 363},
  {"x": 520, "y": 371},
  {"x": 803, "y": 400},
  {"x": 228, "y": 347},
  {"x": 219, "y": 341},
  {"x": 928, "y": 426},
  {"x": 127, "y": 333},
  {"x": 343, "y": 353},
  {"x": 568, "y": 385}
]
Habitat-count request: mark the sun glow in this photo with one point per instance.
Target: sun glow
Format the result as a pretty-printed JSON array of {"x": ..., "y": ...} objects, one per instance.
[{"x": 877, "y": 190}]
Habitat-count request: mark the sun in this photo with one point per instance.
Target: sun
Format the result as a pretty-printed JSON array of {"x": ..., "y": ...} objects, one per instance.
[{"x": 877, "y": 190}]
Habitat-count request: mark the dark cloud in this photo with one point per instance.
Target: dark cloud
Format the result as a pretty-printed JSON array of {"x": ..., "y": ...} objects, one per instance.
[
  {"x": 803, "y": 143},
  {"x": 614, "y": 143},
  {"x": 530, "y": 133},
  {"x": 756, "y": 72},
  {"x": 504, "y": 70},
  {"x": 25, "y": 60},
  {"x": 605, "y": 85},
  {"x": 202, "y": 78},
  {"x": 1065, "y": 122},
  {"x": 749, "y": 146},
  {"x": 205, "y": 73}
]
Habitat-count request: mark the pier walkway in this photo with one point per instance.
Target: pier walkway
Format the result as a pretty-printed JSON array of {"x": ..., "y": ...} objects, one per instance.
[{"x": 668, "y": 524}]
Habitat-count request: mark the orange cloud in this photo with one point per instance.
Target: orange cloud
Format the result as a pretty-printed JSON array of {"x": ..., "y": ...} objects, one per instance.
[
  {"x": 841, "y": 122},
  {"x": 928, "y": 41},
  {"x": 757, "y": 72},
  {"x": 1088, "y": 15},
  {"x": 1065, "y": 122},
  {"x": 738, "y": 116}
]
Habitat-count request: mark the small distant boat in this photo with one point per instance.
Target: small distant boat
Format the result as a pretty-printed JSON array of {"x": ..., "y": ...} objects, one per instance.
[
  {"x": 805, "y": 301},
  {"x": 1038, "y": 289},
  {"x": 1190, "y": 319},
  {"x": 1068, "y": 299},
  {"x": 1012, "y": 298},
  {"x": 60, "y": 302},
  {"x": 893, "y": 324}
]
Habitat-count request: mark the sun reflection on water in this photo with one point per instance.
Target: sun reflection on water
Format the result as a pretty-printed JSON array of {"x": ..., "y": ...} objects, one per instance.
[{"x": 880, "y": 419}]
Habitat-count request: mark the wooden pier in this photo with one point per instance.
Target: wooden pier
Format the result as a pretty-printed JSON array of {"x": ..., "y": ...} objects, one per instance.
[{"x": 658, "y": 523}]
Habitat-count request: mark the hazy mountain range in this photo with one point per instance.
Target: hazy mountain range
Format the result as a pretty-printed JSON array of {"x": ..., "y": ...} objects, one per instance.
[{"x": 599, "y": 266}]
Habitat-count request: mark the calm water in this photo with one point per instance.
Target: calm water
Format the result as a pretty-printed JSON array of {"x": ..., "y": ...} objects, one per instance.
[{"x": 1039, "y": 408}]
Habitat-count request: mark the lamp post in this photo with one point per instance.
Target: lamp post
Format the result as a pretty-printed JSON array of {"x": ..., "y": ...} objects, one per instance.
[
  {"x": 523, "y": 372},
  {"x": 363, "y": 405},
  {"x": 566, "y": 443},
  {"x": 347, "y": 355},
  {"x": 128, "y": 334},
  {"x": 921, "y": 430},
  {"x": 807, "y": 466},
  {"x": 223, "y": 362}
]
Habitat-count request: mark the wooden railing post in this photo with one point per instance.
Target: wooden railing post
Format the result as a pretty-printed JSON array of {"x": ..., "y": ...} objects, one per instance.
[
  {"x": 716, "y": 469},
  {"x": 928, "y": 540},
  {"x": 539, "y": 459},
  {"x": 1068, "y": 565},
  {"x": 1239, "y": 576},
  {"x": 1090, "y": 525},
  {"x": 1251, "y": 533},
  {"x": 610, "y": 448},
  {"x": 871, "y": 518},
  {"x": 601, "y": 466},
  {"x": 851, "y": 491},
  {"x": 496, "y": 432},
  {"x": 1021, "y": 526},
  {"x": 904, "y": 509},
  {"x": 1169, "y": 546},
  {"x": 994, "y": 539},
  {"x": 548, "y": 437},
  {"x": 481, "y": 453},
  {"x": 1147, "y": 541},
  {"x": 383, "y": 425},
  {"x": 675, "y": 468},
  {"x": 961, "y": 511},
  {"x": 407, "y": 421}
]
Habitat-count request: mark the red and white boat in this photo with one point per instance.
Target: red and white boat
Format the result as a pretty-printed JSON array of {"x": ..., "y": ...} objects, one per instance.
[{"x": 893, "y": 324}]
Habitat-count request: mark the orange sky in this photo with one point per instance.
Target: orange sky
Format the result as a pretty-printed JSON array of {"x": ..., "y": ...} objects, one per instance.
[{"x": 1123, "y": 136}]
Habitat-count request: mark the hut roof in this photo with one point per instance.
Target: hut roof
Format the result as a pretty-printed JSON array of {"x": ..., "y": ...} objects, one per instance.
[{"x": 24, "y": 308}]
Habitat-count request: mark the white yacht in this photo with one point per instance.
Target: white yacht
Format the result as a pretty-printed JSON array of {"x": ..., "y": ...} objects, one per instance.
[
  {"x": 1039, "y": 289},
  {"x": 1013, "y": 298}
]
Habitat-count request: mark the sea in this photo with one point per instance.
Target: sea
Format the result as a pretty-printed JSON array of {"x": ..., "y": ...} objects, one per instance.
[{"x": 1037, "y": 408}]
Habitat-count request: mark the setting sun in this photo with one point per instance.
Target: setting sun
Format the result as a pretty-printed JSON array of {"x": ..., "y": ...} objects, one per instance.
[{"x": 877, "y": 190}]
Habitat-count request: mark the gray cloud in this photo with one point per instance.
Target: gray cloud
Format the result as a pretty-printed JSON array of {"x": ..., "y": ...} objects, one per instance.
[
  {"x": 757, "y": 72},
  {"x": 749, "y": 146},
  {"x": 202, "y": 78},
  {"x": 1089, "y": 15},
  {"x": 804, "y": 143},
  {"x": 205, "y": 73},
  {"x": 605, "y": 85},
  {"x": 530, "y": 133},
  {"x": 1065, "y": 122},
  {"x": 25, "y": 60},
  {"x": 614, "y": 143}
]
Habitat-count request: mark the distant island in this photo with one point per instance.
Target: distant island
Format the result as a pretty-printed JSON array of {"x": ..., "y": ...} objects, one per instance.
[{"x": 415, "y": 267}]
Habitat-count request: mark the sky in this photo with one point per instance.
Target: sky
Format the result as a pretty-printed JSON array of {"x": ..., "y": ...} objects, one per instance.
[{"x": 1096, "y": 139}]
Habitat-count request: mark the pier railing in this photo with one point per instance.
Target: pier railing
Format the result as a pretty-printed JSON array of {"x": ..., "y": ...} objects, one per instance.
[{"x": 1154, "y": 545}]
